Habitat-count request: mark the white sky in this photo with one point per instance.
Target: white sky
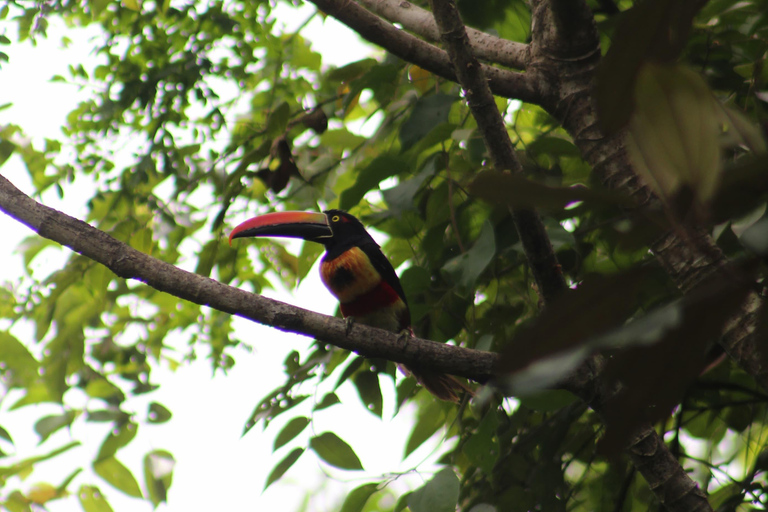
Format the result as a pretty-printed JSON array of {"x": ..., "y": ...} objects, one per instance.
[{"x": 216, "y": 468}]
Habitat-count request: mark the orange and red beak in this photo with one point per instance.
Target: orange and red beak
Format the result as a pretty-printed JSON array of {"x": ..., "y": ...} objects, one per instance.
[{"x": 306, "y": 225}]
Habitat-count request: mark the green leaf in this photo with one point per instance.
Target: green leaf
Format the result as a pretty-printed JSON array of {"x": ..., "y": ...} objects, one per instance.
[
  {"x": 327, "y": 401},
  {"x": 20, "y": 365},
  {"x": 428, "y": 112},
  {"x": 356, "y": 500},
  {"x": 158, "y": 413},
  {"x": 548, "y": 400},
  {"x": 370, "y": 176},
  {"x": 27, "y": 464},
  {"x": 290, "y": 431},
  {"x": 118, "y": 476},
  {"x": 6, "y": 150},
  {"x": 92, "y": 500},
  {"x": 367, "y": 384},
  {"x": 400, "y": 198},
  {"x": 440, "y": 494},
  {"x": 464, "y": 270},
  {"x": 329, "y": 447},
  {"x": 49, "y": 424},
  {"x": 134, "y": 5},
  {"x": 158, "y": 475},
  {"x": 431, "y": 418},
  {"x": 351, "y": 368},
  {"x": 283, "y": 466},
  {"x": 278, "y": 120},
  {"x": 116, "y": 439},
  {"x": 350, "y": 71},
  {"x": 402, "y": 502},
  {"x": 517, "y": 191},
  {"x": 5, "y": 435}
]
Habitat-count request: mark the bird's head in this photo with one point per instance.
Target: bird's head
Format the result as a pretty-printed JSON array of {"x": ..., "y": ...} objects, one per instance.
[{"x": 330, "y": 228}]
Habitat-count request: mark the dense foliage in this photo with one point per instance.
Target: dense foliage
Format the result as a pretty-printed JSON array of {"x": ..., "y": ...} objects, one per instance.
[{"x": 207, "y": 100}]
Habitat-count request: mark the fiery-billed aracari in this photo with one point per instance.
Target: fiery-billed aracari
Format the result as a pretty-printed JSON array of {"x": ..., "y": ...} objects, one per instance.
[{"x": 357, "y": 273}]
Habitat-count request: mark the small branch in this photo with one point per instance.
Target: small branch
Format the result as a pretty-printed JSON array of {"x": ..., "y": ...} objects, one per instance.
[
  {"x": 129, "y": 263},
  {"x": 471, "y": 76},
  {"x": 528, "y": 87},
  {"x": 420, "y": 21}
]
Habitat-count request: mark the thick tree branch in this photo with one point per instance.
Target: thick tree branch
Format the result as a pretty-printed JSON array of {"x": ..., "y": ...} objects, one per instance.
[
  {"x": 538, "y": 249},
  {"x": 420, "y": 21},
  {"x": 509, "y": 84},
  {"x": 129, "y": 263}
]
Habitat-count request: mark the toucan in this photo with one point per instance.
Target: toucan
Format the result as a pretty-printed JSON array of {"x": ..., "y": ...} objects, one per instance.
[{"x": 357, "y": 273}]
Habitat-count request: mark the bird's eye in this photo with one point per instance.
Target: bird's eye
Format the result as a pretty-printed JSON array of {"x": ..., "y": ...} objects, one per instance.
[{"x": 335, "y": 218}]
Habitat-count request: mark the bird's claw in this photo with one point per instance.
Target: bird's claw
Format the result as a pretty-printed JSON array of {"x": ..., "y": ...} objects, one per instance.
[
  {"x": 403, "y": 337},
  {"x": 349, "y": 321}
]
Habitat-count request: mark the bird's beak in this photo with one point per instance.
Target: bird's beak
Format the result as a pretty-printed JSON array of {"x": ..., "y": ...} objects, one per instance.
[{"x": 307, "y": 225}]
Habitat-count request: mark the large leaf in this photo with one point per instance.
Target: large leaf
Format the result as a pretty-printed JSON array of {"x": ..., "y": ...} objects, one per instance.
[
  {"x": 283, "y": 466},
  {"x": 335, "y": 451},
  {"x": 290, "y": 431},
  {"x": 356, "y": 500},
  {"x": 370, "y": 176},
  {"x": 49, "y": 424},
  {"x": 651, "y": 31},
  {"x": 158, "y": 475},
  {"x": 428, "y": 112},
  {"x": 92, "y": 500},
  {"x": 464, "y": 270},
  {"x": 440, "y": 494},
  {"x": 673, "y": 133},
  {"x": 20, "y": 364},
  {"x": 118, "y": 476}
]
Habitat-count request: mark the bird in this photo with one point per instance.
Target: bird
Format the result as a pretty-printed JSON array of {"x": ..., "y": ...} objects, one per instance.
[{"x": 358, "y": 274}]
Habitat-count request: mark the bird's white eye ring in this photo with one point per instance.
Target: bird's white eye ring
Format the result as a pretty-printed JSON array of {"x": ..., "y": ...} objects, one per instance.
[{"x": 335, "y": 218}]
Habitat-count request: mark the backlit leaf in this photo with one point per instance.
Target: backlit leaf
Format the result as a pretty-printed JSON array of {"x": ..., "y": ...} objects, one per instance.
[
  {"x": 118, "y": 476},
  {"x": 290, "y": 431},
  {"x": 335, "y": 451},
  {"x": 283, "y": 466},
  {"x": 92, "y": 500},
  {"x": 355, "y": 500}
]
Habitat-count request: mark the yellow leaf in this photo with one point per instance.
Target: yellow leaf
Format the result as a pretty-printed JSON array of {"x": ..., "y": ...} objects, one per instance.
[
  {"x": 420, "y": 78},
  {"x": 673, "y": 134},
  {"x": 41, "y": 493},
  {"x": 134, "y": 5}
]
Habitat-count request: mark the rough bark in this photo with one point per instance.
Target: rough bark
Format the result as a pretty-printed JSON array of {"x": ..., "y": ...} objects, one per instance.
[{"x": 420, "y": 21}]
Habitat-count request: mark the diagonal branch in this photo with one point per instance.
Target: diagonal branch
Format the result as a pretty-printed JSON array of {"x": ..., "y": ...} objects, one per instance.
[
  {"x": 538, "y": 249},
  {"x": 129, "y": 263},
  {"x": 529, "y": 87},
  {"x": 420, "y": 21}
]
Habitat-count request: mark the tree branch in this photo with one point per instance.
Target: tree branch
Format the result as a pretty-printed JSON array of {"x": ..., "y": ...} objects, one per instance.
[
  {"x": 538, "y": 249},
  {"x": 420, "y": 21},
  {"x": 129, "y": 263},
  {"x": 666, "y": 477},
  {"x": 527, "y": 87}
]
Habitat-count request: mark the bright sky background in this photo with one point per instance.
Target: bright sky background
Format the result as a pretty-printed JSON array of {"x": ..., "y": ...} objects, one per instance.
[{"x": 216, "y": 469}]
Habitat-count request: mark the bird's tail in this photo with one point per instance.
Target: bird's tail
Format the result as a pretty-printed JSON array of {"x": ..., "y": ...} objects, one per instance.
[{"x": 443, "y": 386}]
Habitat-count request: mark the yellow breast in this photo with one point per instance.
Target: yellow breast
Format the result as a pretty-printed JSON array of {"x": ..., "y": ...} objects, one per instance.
[{"x": 349, "y": 275}]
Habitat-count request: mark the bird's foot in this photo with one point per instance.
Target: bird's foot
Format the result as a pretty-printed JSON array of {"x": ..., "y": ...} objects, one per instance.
[
  {"x": 349, "y": 321},
  {"x": 403, "y": 337}
]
